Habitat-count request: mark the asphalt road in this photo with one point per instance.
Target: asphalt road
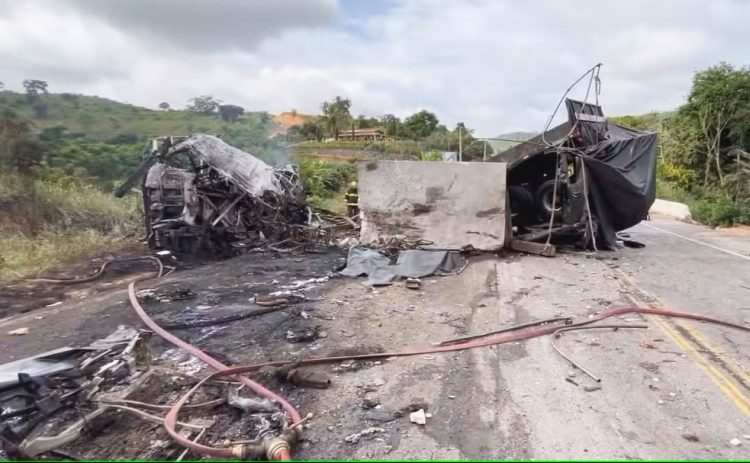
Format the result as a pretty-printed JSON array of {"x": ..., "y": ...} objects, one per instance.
[{"x": 676, "y": 389}]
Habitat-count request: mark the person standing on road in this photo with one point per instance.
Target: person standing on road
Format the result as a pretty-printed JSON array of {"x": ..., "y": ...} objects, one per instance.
[{"x": 352, "y": 200}]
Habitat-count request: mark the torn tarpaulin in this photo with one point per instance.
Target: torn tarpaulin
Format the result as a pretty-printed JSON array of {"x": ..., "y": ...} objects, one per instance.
[{"x": 413, "y": 263}]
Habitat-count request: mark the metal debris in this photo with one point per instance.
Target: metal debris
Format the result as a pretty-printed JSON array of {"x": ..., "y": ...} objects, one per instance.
[{"x": 354, "y": 438}]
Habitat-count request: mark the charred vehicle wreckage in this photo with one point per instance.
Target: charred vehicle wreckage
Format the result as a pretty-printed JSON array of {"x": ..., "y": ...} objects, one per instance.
[
  {"x": 202, "y": 195},
  {"x": 582, "y": 181}
]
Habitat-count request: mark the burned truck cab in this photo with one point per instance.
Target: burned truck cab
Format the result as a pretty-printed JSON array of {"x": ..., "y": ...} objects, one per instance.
[{"x": 201, "y": 195}]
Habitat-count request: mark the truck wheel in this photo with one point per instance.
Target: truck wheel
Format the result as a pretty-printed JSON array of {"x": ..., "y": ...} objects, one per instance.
[
  {"x": 521, "y": 200},
  {"x": 544, "y": 200}
]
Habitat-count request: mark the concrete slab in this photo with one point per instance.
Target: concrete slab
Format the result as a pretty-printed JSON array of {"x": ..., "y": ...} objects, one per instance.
[
  {"x": 451, "y": 204},
  {"x": 671, "y": 209}
]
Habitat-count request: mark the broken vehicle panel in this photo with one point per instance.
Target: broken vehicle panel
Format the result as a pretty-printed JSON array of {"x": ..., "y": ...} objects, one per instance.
[{"x": 583, "y": 180}]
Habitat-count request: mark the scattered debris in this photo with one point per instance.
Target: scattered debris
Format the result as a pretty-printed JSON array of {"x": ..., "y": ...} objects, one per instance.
[
  {"x": 413, "y": 283},
  {"x": 571, "y": 380},
  {"x": 303, "y": 378},
  {"x": 382, "y": 416},
  {"x": 166, "y": 294},
  {"x": 19, "y": 331},
  {"x": 370, "y": 400},
  {"x": 250, "y": 404},
  {"x": 690, "y": 437},
  {"x": 735, "y": 442},
  {"x": 303, "y": 334},
  {"x": 354, "y": 438},
  {"x": 418, "y": 417},
  {"x": 37, "y": 398},
  {"x": 413, "y": 406},
  {"x": 592, "y": 388}
]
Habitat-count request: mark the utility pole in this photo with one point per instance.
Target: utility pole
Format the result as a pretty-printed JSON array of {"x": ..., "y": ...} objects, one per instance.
[
  {"x": 460, "y": 142},
  {"x": 484, "y": 158}
]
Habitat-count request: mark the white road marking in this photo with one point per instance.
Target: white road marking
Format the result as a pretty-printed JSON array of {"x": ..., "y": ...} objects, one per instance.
[{"x": 697, "y": 242}]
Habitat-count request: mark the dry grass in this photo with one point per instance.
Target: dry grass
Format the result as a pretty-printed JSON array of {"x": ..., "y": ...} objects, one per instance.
[{"x": 50, "y": 223}]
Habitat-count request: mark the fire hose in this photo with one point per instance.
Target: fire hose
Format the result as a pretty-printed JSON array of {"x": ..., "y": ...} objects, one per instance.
[
  {"x": 100, "y": 272},
  {"x": 279, "y": 447},
  {"x": 281, "y": 451}
]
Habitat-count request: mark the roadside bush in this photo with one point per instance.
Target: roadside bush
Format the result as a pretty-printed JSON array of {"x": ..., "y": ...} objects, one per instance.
[
  {"x": 323, "y": 179},
  {"x": 719, "y": 210},
  {"x": 709, "y": 207},
  {"x": 680, "y": 176}
]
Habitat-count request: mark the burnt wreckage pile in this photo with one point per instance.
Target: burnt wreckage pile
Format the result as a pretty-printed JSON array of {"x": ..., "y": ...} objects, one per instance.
[
  {"x": 582, "y": 181},
  {"x": 201, "y": 194}
]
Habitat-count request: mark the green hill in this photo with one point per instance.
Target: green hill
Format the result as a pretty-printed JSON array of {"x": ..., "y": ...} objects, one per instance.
[
  {"x": 102, "y": 119},
  {"x": 506, "y": 143},
  {"x": 103, "y": 140}
]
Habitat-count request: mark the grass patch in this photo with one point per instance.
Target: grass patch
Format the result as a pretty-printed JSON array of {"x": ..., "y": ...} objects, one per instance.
[
  {"x": 710, "y": 208},
  {"x": 404, "y": 147},
  {"x": 46, "y": 223}
]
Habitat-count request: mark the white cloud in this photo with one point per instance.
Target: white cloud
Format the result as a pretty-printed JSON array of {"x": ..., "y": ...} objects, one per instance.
[{"x": 495, "y": 65}]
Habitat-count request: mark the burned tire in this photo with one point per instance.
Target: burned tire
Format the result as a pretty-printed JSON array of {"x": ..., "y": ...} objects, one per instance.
[
  {"x": 521, "y": 200},
  {"x": 544, "y": 200}
]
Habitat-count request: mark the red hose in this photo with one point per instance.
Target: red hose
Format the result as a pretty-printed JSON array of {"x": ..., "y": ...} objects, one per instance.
[
  {"x": 500, "y": 338},
  {"x": 213, "y": 363}
]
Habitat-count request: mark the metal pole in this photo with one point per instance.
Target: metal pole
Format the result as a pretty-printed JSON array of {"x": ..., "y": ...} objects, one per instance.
[
  {"x": 460, "y": 146},
  {"x": 484, "y": 158}
]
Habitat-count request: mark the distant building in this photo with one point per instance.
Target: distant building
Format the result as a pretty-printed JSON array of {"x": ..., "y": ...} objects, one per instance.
[{"x": 362, "y": 134}]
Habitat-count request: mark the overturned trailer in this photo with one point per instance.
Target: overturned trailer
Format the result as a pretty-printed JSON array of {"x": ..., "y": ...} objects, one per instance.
[
  {"x": 582, "y": 181},
  {"x": 201, "y": 194}
]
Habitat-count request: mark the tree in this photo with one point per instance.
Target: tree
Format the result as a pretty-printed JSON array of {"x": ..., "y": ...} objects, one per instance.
[
  {"x": 474, "y": 150},
  {"x": 164, "y": 106},
  {"x": 230, "y": 112},
  {"x": 420, "y": 125},
  {"x": 20, "y": 148},
  {"x": 34, "y": 88},
  {"x": 312, "y": 131},
  {"x": 336, "y": 115},
  {"x": 391, "y": 124},
  {"x": 204, "y": 104},
  {"x": 713, "y": 123},
  {"x": 2, "y": 85},
  {"x": 41, "y": 109},
  {"x": 364, "y": 122}
]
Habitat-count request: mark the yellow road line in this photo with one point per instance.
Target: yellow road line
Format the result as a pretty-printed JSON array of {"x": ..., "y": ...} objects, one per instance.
[
  {"x": 692, "y": 349},
  {"x": 736, "y": 367},
  {"x": 721, "y": 381}
]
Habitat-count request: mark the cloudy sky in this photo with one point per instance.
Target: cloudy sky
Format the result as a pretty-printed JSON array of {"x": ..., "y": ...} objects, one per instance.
[{"x": 497, "y": 65}]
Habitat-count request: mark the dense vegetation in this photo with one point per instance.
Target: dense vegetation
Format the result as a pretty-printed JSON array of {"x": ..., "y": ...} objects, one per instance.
[
  {"x": 704, "y": 146},
  {"x": 416, "y": 135},
  {"x": 61, "y": 154}
]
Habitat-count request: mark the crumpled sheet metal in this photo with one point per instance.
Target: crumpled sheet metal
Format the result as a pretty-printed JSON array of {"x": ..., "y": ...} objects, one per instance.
[
  {"x": 413, "y": 263},
  {"x": 59, "y": 360},
  {"x": 39, "y": 366},
  {"x": 246, "y": 171}
]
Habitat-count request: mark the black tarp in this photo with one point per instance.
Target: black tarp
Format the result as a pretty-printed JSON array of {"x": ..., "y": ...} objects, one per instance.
[
  {"x": 620, "y": 166},
  {"x": 621, "y": 177}
]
